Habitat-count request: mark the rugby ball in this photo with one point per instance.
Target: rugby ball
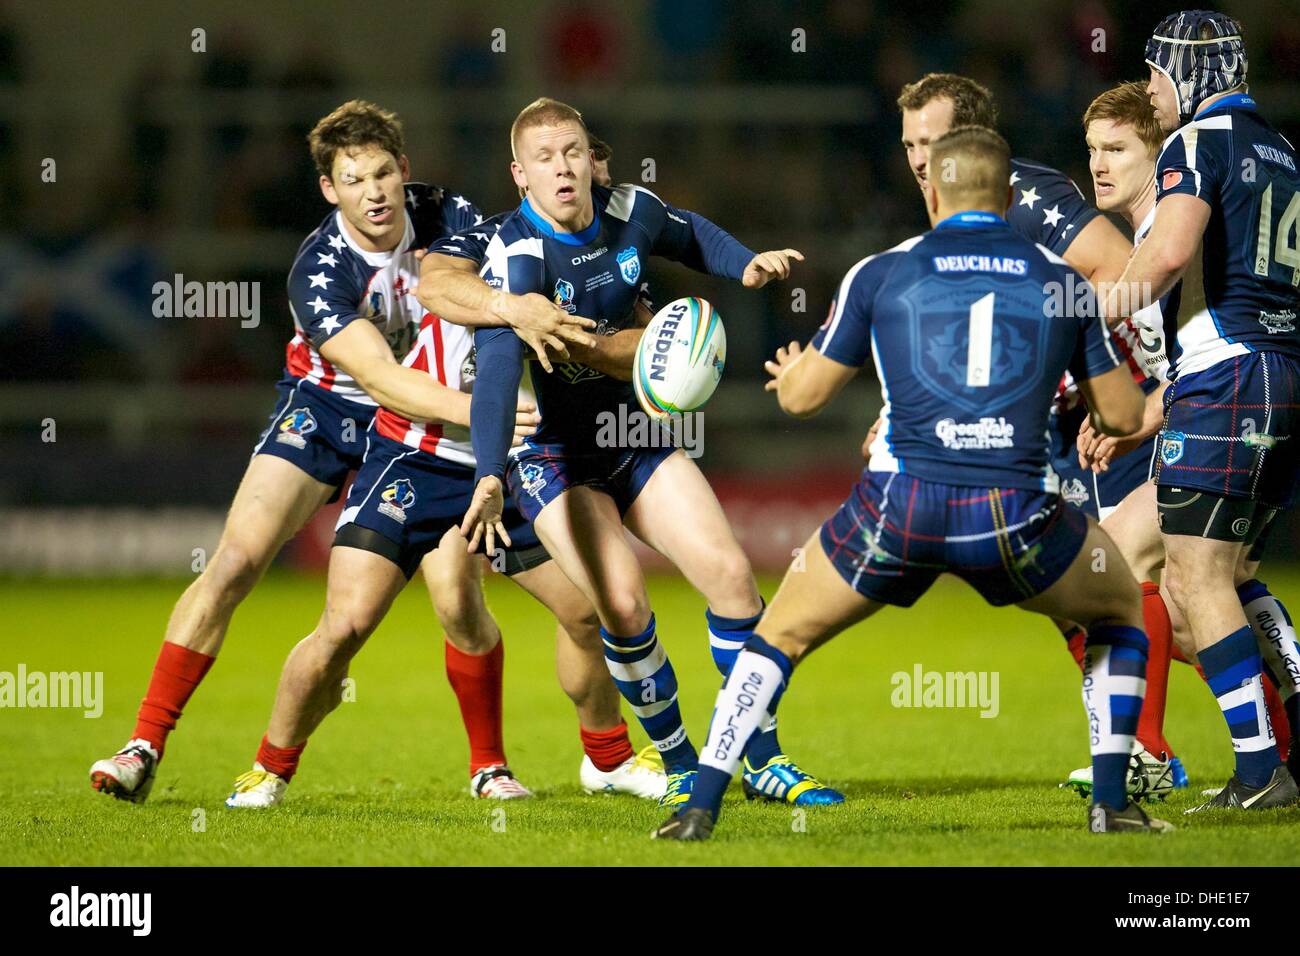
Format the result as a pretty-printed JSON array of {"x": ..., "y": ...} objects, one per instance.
[{"x": 680, "y": 358}]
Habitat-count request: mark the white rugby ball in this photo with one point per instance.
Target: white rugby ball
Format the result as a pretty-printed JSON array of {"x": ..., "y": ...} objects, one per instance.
[{"x": 680, "y": 358}]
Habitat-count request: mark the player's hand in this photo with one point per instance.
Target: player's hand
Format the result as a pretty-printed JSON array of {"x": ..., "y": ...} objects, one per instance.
[
  {"x": 1096, "y": 451},
  {"x": 871, "y": 438},
  {"x": 526, "y": 420},
  {"x": 536, "y": 311},
  {"x": 776, "y": 367},
  {"x": 766, "y": 266},
  {"x": 482, "y": 520}
]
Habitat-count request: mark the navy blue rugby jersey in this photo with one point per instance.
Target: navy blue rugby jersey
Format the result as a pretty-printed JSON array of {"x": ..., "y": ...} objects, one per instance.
[
  {"x": 595, "y": 273},
  {"x": 969, "y": 344},
  {"x": 1242, "y": 293}
]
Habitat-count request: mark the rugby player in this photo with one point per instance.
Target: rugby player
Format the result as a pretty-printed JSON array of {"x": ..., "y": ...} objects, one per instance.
[
  {"x": 959, "y": 478},
  {"x": 583, "y": 246},
  {"x": 1048, "y": 208},
  {"x": 359, "y": 265},
  {"x": 1227, "y": 195},
  {"x": 1123, "y": 141}
]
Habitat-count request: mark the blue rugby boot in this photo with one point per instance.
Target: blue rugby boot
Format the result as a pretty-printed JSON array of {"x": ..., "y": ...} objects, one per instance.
[{"x": 780, "y": 780}]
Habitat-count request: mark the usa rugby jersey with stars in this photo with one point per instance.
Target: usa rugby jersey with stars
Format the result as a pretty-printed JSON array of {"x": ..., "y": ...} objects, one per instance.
[
  {"x": 1046, "y": 206},
  {"x": 595, "y": 273},
  {"x": 334, "y": 282},
  {"x": 1242, "y": 293}
]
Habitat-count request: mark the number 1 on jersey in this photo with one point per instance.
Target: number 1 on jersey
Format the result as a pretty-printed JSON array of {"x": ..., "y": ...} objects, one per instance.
[{"x": 979, "y": 351}]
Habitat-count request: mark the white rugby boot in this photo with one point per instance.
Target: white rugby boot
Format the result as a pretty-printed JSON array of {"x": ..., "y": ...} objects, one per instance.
[
  {"x": 642, "y": 776},
  {"x": 497, "y": 782},
  {"x": 257, "y": 789},
  {"x": 128, "y": 774}
]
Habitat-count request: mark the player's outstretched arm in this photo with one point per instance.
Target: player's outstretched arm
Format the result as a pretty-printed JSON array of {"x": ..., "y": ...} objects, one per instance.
[
  {"x": 804, "y": 380},
  {"x": 1115, "y": 403},
  {"x": 1159, "y": 262},
  {"x": 492, "y": 420},
  {"x": 450, "y": 287},
  {"x": 362, "y": 352},
  {"x": 694, "y": 241}
]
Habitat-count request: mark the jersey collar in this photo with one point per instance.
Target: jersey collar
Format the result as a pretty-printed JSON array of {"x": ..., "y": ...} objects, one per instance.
[
  {"x": 567, "y": 238},
  {"x": 971, "y": 219},
  {"x": 1236, "y": 100},
  {"x": 377, "y": 258}
]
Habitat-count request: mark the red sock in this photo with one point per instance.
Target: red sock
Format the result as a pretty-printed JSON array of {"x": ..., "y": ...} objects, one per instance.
[
  {"x": 176, "y": 675},
  {"x": 606, "y": 748},
  {"x": 281, "y": 761},
  {"x": 1160, "y": 641},
  {"x": 1076, "y": 640},
  {"x": 476, "y": 679},
  {"x": 1277, "y": 715}
]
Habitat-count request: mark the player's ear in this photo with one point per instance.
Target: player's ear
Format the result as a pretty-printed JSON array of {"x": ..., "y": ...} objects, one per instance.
[
  {"x": 1011, "y": 197},
  {"x": 404, "y": 166},
  {"x": 517, "y": 173},
  {"x": 327, "y": 190}
]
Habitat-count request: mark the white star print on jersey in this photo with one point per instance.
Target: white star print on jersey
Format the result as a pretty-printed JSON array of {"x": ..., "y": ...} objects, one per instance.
[
  {"x": 334, "y": 282},
  {"x": 1048, "y": 207}
]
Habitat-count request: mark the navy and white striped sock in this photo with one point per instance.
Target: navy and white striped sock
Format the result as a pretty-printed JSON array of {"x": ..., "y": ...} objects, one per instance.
[
  {"x": 1233, "y": 671},
  {"x": 748, "y": 697},
  {"x": 1276, "y": 637},
  {"x": 1114, "y": 682},
  {"x": 645, "y": 677},
  {"x": 727, "y": 635}
]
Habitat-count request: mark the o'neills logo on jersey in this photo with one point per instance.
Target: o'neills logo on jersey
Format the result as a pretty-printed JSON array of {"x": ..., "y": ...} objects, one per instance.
[
  {"x": 588, "y": 256},
  {"x": 983, "y": 434}
]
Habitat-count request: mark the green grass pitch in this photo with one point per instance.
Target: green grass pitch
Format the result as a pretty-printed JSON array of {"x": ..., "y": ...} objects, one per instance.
[{"x": 383, "y": 781}]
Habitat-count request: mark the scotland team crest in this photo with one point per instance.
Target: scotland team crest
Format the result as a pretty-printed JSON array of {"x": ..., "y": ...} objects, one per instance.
[
  {"x": 295, "y": 428},
  {"x": 629, "y": 264},
  {"x": 396, "y": 498},
  {"x": 1171, "y": 447},
  {"x": 564, "y": 295}
]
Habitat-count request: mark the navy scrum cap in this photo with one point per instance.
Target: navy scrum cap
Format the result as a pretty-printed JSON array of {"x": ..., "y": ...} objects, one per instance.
[{"x": 1201, "y": 52}]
